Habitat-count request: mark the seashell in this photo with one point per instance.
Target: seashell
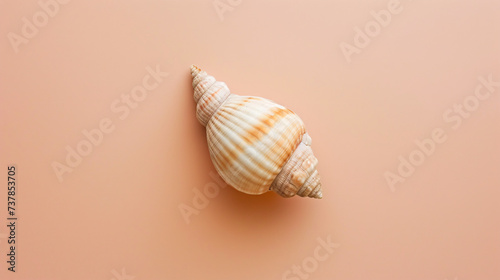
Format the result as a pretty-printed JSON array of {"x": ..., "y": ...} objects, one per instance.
[{"x": 255, "y": 144}]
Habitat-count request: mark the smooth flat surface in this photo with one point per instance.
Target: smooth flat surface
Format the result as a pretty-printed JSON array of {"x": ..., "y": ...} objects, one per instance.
[{"x": 365, "y": 100}]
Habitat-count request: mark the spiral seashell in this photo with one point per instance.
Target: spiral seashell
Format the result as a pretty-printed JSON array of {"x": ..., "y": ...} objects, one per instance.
[{"x": 255, "y": 144}]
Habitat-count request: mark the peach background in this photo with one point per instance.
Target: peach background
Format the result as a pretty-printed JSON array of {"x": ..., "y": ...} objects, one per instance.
[{"x": 119, "y": 207}]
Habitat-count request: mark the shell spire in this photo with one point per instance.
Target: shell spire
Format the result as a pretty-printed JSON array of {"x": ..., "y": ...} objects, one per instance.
[
  {"x": 255, "y": 144},
  {"x": 209, "y": 94}
]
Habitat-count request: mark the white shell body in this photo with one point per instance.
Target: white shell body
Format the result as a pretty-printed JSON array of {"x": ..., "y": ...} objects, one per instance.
[
  {"x": 255, "y": 144},
  {"x": 246, "y": 142}
]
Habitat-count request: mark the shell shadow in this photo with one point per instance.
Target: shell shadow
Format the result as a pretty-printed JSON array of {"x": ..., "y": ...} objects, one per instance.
[{"x": 259, "y": 211}]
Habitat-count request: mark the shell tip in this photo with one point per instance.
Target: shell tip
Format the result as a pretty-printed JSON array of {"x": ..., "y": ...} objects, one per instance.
[
  {"x": 318, "y": 195},
  {"x": 195, "y": 70}
]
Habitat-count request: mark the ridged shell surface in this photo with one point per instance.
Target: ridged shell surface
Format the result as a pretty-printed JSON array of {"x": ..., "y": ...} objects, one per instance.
[
  {"x": 255, "y": 144},
  {"x": 250, "y": 139}
]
